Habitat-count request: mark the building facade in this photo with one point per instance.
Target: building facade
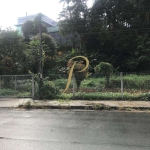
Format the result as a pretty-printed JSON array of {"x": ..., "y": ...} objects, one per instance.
[{"x": 51, "y": 25}]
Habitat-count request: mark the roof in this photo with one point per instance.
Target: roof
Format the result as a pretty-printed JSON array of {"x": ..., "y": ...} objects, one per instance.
[
  {"x": 52, "y": 29},
  {"x": 45, "y": 19}
]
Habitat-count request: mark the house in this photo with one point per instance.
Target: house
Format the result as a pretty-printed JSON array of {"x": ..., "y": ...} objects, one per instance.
[{"x": 51, "y": 25}]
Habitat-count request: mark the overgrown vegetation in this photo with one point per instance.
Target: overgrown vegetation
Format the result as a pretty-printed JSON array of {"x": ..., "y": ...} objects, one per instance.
[
  {"x": 26, "y": 105},
  {"x": 133, "y": 82},
  {"x": 108, "y": 33},
  {"x": 13, "y": 93},
  {"x": 48, "y": 90},
  {"x": 104, "y": 32},
  {"x": 136, "y": 87},
  {"x": 106, "y": 70},
  {"x": 104, "y": 96}
]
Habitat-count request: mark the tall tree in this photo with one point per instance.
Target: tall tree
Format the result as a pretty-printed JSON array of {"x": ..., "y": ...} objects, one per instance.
[
  {"x": 114, "y": 31},
  {"x": 141, "y": 11},
  {"x": 115, "y": 26},
  {"x": 13, "y": 52},
  {"x": 74, "y": 20},
  {"x": 49, "y": 47},
  {"x": 31, "y": 28}
]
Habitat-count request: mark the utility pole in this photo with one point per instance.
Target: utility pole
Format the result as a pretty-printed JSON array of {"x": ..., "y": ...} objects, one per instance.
[
  {"x": 41, "y": 57},
  {"x": 40, "y": 48}
]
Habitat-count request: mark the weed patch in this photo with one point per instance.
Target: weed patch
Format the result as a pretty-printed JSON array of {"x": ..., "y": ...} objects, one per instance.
[
  {"x": 103, "y": 96},
  {"x": 26, "y": 105}
]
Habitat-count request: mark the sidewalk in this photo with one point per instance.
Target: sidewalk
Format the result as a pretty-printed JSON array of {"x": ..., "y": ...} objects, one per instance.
[{"x": 75, "y": 104}]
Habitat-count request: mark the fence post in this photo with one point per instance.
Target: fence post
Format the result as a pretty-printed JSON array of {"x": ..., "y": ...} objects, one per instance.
[
  {"x": 73, "y": 85},
  {"x": 33, "y": 87},
  {"x": 15, "y": 83},
  {"x": 121, "y": 77},
  {"x": 0, "y": 82}
]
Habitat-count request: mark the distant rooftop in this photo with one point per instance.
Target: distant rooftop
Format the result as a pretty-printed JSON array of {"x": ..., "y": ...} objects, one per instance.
[
  {"x": 47, "y": 20},
  {"x": 52, "y": 29}
]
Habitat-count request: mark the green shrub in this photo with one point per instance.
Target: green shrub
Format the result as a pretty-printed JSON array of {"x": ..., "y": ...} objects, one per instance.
[
  {"x": 103, "y": 96},
  {"x": 64, "y": 96},
  {"x": 146, "y": 97},
  {"x": 23, "y": 94},
  {"x": 14, "y": 93},
  {"x": 60, "y": 83},
  {"x": 48, "y": 90},
  {"x": 8, "y": 92},
  {"x": 90, "y": 84},
  {"x": 93, "y": 83},
  {"x": 105, "y": 69}
]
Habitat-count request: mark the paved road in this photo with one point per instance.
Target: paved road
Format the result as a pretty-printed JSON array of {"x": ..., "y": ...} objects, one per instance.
[{"x": 73, "y": 130}]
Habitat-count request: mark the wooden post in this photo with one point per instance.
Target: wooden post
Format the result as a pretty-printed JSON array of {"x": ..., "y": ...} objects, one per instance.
[
  {"x": 0, "y": 81},
  {"x": 73, "y": 85},
  {"x": 15, "y": 83},
  {"x": 33, "y": 87},
  {"x": 121, "y": 77}
]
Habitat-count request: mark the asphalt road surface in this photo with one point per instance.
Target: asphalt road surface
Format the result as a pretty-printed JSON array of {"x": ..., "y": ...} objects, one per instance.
[{"x": 73, "y": 130}]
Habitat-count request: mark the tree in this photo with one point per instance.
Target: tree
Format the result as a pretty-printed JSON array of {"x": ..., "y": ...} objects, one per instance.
[
  {"x": 74, "y": 20},
  {"x": 105, "y": 69},
  {"x": 114, "y": 30},
  {"x": 13, "y": 52},
  {"x": 6, "y": 65},
  {"x": 141, "y": 11},
  {"x": 31, "y": 28},
  {"x": 143, "y": 53},
  {"x": 49, "y": 52},
  {"x": 110, "y": 31}
]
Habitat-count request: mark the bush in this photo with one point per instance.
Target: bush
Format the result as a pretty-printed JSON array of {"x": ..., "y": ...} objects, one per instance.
[
  {"x": 13, "y": 93},
  {"x": 146, "y": 97},
  {"x": 8, "y": 92},
  {"x": 60, "y": 83},
  {"x": 105, "y": 69},
  {"x": 48, "y": 90}
]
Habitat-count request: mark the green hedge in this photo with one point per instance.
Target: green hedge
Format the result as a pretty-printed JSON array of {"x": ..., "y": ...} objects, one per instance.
[{"x": 105, "y": 96}]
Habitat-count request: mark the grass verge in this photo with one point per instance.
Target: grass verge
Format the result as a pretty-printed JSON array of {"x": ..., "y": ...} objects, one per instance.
[{"x": 105, "y": 96}]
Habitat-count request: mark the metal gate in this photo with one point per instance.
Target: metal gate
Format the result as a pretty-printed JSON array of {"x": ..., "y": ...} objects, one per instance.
[{"x": 19, "y": 86}]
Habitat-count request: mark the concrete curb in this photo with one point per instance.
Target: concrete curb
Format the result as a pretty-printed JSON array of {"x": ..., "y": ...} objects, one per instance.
[
  {"x": 85, "y": 107},
  {"x": 74, "y": 104}
]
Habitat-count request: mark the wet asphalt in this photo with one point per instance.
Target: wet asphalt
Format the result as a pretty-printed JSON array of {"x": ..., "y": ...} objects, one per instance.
[{"x": 73, "y": 130}]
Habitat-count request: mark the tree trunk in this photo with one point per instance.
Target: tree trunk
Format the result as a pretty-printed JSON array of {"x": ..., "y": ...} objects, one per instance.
[{"x": 107, "y": 81}]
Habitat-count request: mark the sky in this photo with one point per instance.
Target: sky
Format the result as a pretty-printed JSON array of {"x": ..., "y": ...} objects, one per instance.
[{"x": 12, "y": 9}]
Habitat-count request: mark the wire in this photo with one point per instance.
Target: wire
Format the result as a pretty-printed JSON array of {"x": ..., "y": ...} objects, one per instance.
[{"x": 117, "y": 31}]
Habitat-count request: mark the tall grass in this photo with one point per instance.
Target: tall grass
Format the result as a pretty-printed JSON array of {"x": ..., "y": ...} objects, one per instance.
[
  {"x": 13, "y": 93},
  {"x": 135, "y": 82},
  {"x": 103, "y": 96}
]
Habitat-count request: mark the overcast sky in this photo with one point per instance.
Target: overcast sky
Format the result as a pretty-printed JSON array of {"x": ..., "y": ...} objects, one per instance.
[{"x": 12, "y": 9}]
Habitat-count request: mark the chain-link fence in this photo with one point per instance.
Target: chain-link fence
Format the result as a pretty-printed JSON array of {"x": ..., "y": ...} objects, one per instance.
[
  {"x": 117, "y": 83},
  {"x": 120, "y": 83},
  {"x": 16, "y": 86}
]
